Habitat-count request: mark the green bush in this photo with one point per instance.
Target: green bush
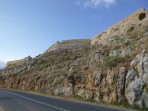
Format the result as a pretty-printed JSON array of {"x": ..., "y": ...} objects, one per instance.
[
  {"x": 109, "y": 61},
  {"x": 112, "y": 61},
  {"x": 91, "y": 100},
  {"x": 146, "y": 91},
  {"x": 14, "y": 74},
  {"x": 131, "y": 29},
  {"x": 85, "y": 67},
  {"x": 77, "y": 97},
  {"x": 142, "y": 16}
]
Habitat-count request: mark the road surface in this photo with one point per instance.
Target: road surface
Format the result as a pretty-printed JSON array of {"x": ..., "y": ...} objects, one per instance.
[{"x": 11, "y": 100}]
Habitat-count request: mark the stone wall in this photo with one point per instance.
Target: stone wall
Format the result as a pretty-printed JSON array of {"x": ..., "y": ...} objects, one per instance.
[
  {"x": 75, "y": 41},
  {"x": 69, "y": 44},
  {"x": 19, "y": 62}
]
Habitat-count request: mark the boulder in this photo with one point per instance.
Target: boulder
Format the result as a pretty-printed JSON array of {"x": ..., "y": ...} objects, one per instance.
[
  {"x": 69, "y": 90},
  {"x": 134, "y": 90}
]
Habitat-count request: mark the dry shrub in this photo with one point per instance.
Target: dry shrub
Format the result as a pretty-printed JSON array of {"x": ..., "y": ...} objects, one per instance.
[
  {"x": 133, "y": 54},
  {"x": 85, "y": 67}
]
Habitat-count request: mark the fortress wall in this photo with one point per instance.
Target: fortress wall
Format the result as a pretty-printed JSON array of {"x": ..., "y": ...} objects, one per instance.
[
  {"x": 75, "y": 41},
  {"x": 19, "y": 62},
  {"x": 69, "y": 44}
]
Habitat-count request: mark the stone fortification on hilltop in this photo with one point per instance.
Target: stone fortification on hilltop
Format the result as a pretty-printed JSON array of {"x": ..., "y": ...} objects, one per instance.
[
  {"x": 69, "y": 44},
  {"x": 19, "y": 62}
]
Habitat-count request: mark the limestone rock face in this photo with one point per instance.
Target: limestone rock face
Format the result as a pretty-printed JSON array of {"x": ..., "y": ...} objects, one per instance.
[
  {"x": 134, "y": 91},
  {"x": 137, "y": 80},
  {"x": 59, "y": 90},
  {"x": 145, "y": 64},
  {"x": 131, "y": 75},
  {"x": 69, "y": 90},
  {"x": 111, "y": 67}
]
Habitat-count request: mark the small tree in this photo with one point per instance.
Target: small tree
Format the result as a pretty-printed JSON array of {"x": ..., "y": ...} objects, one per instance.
[{"x": 142, "y": 16}]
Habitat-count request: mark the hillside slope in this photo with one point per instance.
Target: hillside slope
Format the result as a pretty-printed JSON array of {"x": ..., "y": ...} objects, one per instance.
[{"x": 111, "y": 67}]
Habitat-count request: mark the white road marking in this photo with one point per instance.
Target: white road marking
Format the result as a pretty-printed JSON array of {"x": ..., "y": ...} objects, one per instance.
[{"x": 50, "y": 105}]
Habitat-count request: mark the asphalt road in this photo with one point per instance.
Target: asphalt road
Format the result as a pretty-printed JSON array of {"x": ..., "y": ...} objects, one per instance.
[{"x": 11, "y": 100}]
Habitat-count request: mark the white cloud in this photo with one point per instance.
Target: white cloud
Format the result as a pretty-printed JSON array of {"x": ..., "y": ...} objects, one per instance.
[{"x": 96, "y": 3}]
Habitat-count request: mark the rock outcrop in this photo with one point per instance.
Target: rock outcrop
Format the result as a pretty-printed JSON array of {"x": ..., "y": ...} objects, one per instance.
[{"x": 111, "y": 67}]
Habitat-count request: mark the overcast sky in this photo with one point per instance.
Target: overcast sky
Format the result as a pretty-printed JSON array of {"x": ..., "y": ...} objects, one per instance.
[{"x": 29, "y": 27}]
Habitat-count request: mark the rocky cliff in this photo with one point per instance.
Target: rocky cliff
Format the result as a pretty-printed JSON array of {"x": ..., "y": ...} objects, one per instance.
[{"x": 111, "y": 67}]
